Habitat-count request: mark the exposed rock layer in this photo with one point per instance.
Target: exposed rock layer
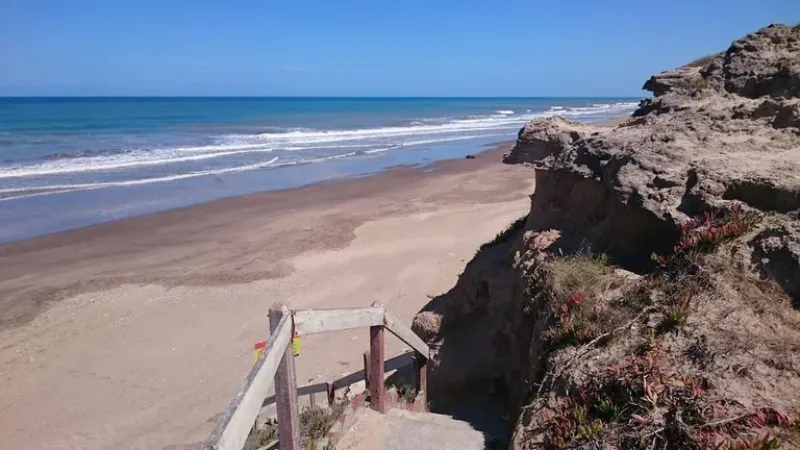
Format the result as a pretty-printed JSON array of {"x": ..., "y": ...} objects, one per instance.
[{"x": 722, "y": 133}]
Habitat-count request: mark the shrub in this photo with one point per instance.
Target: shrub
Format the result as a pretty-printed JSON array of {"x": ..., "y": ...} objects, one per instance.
[
  {"x": 701, "y": 62},
  {"x": 584, "y": 273},
  {"x": 676, "y": 311},
  {"x": 504, "y": 235},
  {"x": 263, "y": 435},
  {"x": 706, "y": 234},
  {"x": 699, "y": 84},
  {"x": 651, "y": 398},
  {"x": 577, "y": 283},
  {"x": 315, "y": 422},
  {"x": 408, "y": 393}
]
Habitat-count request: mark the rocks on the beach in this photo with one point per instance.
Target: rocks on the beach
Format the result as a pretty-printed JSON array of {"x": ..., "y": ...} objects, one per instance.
[{"x": 470, "y": 156}]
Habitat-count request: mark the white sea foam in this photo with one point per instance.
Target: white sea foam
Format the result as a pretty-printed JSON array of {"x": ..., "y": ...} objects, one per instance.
[
  {"x": 128, "y": 160},
  {"x": 319, "y": 137},
  {"x": 378, "y": 150},
  {"x": 429, "y": 141},
  {"x": 34, "y": 191},
  {"x": 375, "y": 140},
  {"x": 320, "y": 159},
  {"x": 52, "y": 189},
  {"x": 450, "y": 139}
]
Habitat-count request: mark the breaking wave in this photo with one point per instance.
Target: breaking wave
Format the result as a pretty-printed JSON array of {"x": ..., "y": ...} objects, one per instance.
[{"x": 229, "y": 153}]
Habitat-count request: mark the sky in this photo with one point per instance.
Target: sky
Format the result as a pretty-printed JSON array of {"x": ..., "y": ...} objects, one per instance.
[{"x": 362, "y": 47}]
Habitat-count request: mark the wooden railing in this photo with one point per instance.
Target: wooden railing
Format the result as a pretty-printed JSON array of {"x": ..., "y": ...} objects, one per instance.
[{"x": 276, "y": 365}]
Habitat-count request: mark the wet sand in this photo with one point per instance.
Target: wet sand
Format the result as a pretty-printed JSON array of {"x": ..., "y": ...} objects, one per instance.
[{"x": 137, "y": 333}]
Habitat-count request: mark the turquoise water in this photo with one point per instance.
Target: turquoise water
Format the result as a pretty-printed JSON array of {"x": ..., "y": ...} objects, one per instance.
[{"x": 68, "y": 162}]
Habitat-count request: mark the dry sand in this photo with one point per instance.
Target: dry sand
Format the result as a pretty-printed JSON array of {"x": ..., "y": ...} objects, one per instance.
[{"x": 136, "y": 334}]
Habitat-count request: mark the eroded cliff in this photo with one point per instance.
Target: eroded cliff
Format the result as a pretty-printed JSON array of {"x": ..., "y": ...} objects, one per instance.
[{"x": 649, "y": 299}]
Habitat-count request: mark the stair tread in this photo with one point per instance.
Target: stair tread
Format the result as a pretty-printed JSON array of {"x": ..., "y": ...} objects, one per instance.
[
  {"x": 441, "y": 419},
  {"x": 406, "y": 430}
]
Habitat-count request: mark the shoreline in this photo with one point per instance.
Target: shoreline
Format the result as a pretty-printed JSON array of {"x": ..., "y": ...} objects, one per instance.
[
  {"x": 61, "y": 202},
  {"x": 424, "y": 166},
  {"x": 275, "y": 202},
  {"x": 137, "y": 333},
  {"x": 175, "y": 195},
  {"x": 25, "y": 221},
  {"x": 25, "y": 255}
]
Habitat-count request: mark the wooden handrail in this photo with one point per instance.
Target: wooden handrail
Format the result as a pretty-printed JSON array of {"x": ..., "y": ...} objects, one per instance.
[
  {"x": 277, "y": 363},
  {"x": 313, "y": 321},
  {"x": 233, "y": 428},
  {"x": 392, "y": 364},
  {"x": 405, "y": 334}
]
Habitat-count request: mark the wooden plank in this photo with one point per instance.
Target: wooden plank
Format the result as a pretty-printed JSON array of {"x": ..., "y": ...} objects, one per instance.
[
  {"x": 286, "y": 388},
  {"x": 312, "y": 321},
  {"x": 233, "y": 428},
  {"x": 311, "y": 389},
  {"x": 377, "y": 389},
  {"x": 405, "y": 334},
  {"x": 421, "y": 364}
]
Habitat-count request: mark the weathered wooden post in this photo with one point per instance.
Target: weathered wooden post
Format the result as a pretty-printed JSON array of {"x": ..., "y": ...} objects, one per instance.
[
  {"x": 330, "y": 388},
  {"x": 366, "y": 368},
  {"x": 377, "y": 390},
  {"x": 421, "y": 364},
  {"x": 286, "y": 388}
]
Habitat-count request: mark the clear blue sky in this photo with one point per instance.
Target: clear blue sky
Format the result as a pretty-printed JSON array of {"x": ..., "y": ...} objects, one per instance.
[{"x": 362, "y": 47}]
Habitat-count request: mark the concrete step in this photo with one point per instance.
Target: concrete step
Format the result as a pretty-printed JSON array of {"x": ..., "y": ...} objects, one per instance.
[
  {"x": 406, "y": 430},
  {"x": 439, "y": 419}
]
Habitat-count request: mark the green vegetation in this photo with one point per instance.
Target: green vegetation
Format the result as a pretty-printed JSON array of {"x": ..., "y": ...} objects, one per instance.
[
  {"x": 699, "y": 83},
  {"x": 505, "y": 234},
  {"x": 584, "y": 273},
  {"x": 316, "y": 421},
  {"x": 657, "y": 394},
  {"x": 262, "y": 436},
  {"x": 408, "y": 393},
  {"x": 706, "y": 234},
  {"x": 702, "y": 62},
  {"x": 579, "y": 314}
]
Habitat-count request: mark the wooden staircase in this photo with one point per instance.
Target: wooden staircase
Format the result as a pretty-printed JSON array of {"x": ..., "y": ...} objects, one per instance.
[{"x": 275, "y": 367}]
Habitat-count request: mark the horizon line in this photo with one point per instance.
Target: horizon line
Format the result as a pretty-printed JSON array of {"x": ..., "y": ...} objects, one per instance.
[{"x": 313, "y": 96}]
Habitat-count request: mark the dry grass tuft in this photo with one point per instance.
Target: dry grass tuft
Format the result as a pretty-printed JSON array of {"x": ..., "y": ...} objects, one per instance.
[
  {"x": 702, "y": 62},
  {"x": 504, "y": 235},
  {"x": 262, "y": 435},
  {"x": 407, "y": 393},
  {"x": 584, "y": 273},
  {"x": 316, "y": 421},
  {"x": 582, "y": 301}
]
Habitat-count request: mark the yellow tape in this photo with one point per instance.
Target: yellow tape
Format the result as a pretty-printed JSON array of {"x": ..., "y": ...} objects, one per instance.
[{"x": 296, "y": 345}]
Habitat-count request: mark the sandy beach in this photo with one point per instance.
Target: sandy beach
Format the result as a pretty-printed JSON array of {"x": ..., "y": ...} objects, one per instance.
[{"x": 136, "y": 334}]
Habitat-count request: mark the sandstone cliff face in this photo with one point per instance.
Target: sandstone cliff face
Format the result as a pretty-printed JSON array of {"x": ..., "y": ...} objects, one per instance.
[
  {"x": 720, "y": 141},
  {"x": 729, "y": 131}
]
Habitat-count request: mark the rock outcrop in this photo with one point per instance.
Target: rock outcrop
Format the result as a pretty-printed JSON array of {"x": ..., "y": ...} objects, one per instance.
[{"x": 719, "y": 142}]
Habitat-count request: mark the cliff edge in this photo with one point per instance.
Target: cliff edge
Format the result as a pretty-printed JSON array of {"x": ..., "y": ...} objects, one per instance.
[{"x": 650, "y": 297}]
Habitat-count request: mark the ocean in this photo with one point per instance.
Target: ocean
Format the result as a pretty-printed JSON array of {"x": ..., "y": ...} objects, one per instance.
[{"x": 71, "y": 162}]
